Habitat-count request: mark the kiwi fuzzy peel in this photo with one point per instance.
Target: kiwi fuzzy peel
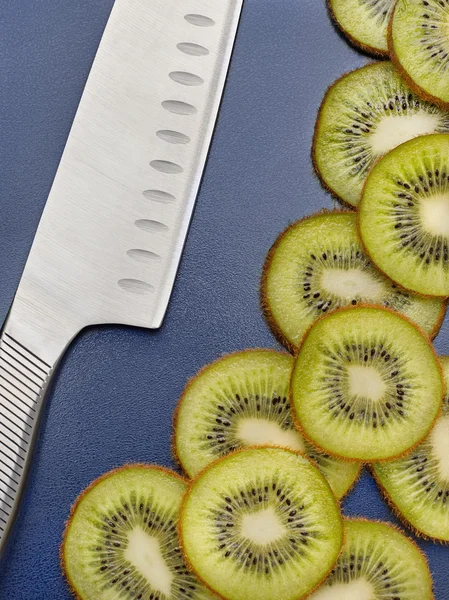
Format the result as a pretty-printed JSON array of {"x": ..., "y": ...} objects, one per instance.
[
  {"x": 275, "y": 499},
  {"x": 241, "y": 400},
  {"x": 329, "y": 399}
]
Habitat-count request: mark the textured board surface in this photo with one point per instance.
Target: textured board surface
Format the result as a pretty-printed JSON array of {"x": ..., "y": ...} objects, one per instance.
[{"x": 113, "y": 398}]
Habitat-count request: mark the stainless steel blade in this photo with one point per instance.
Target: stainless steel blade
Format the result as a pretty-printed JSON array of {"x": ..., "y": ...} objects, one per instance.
[{"x": 111, "y": 236}]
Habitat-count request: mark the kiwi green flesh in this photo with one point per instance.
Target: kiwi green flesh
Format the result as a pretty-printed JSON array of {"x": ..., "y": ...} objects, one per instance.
[
  {"x": 121, "y": 540},
  {"x": 365, "y": 21},
  {"x": 418, "y": 484},
  {"x": 419, "y": 40},
  {"x": 377, "y": 563},
  {"x": 261, "y": 523},
  {"x": 318, "y": 265},
  {"x": 364, "y": 115},
  {"x": 366, "y": 384},
  {"x": 404, "y": 215},
  {"x": 242, "y": 400}
]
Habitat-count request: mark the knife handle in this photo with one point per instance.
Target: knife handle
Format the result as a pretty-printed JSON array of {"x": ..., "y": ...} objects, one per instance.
[{"x": 24, "y": 378}]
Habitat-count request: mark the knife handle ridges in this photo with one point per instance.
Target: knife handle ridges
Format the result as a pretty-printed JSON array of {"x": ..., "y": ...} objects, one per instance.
[{"x": 23, "y": 380}]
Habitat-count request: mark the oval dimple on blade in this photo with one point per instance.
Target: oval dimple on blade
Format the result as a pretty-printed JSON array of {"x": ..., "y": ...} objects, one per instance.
[
  {"x": 185, "y": 78},
  {"x": 199, "y": 20},
  {"x": 173, "y": 137},
  {"x": 136, "y": 286},
  {"x": 143, "y": 256},
  {"x": 151, "y": 226},
  {"x": 159, "y": 196},
  {"x": 192, "y": 49},
  {"x": 166, "y": 166},
  {"x": 179, "y": 108}
]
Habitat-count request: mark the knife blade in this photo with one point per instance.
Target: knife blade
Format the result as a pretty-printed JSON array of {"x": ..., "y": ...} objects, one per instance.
[{"x": 111, "y": 236}]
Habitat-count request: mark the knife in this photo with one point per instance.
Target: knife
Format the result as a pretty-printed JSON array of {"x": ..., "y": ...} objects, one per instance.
[{"x": 113, "y": 229}]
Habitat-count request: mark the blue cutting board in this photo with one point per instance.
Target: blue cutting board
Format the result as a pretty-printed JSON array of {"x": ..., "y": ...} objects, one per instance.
[{"x": 114, "y": 396}]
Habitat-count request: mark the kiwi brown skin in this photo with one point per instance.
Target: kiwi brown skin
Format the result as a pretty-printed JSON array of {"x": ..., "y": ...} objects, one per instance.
[
  {"x": 437, "y": 327},
  {"x": 187, "y": 387},
  {"x": 394, "y": 528},
  {"x": 354, "y": 42},
  {"x": 419, "y": 91},
  {"x": 345, "y": 458},
  {"x": 217, "y": 461},
  {"x": 81, "y": 496},
  {"x": 397, "y": 513},
  {"x": 266, "y": 310}
]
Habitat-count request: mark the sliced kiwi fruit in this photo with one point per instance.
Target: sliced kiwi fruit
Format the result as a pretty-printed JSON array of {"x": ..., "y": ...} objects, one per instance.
[
  {"x": 367, "y": 384},
  {"x": 419, "y": 46},
  {"x": 121, "y": 540},
  {"x": 261, "y": 523},
  {"x": 364, "y": 115},
  {"x": 242, "y": 400},
  {"x": 417, "y": 485},
  {"x": 365, "y": 22},
  {"x": 404, "y": 215},
  {"x": 317, "y": 265},
  {"x": 377, "y": 562}
]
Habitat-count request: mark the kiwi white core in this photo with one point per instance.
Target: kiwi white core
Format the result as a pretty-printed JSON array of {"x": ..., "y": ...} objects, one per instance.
[
  {"x": 262, "y": 527},
  {"x": 365, "y": 382},
  {"x": 394, "y": 130},
  {"x": 360, "y": 589},
  {"x": 439, "y": 439},
  {"x": 435, "y": 214},
  {"x": 350, "y": 283},
  {"x": 143, "y": 551},
  {"x": 259, "y": 432}
]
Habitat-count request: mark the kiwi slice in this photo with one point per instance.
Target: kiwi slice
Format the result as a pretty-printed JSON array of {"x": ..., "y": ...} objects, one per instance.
[
  {"x": 367, "y": 384},
  {"x": 404, "y": 215},
  {"x": 365, "y": 22},
  {"x": 364, "y": 115},
  {"x": 121, "y": 539},
  {"x": 419, "y": 46},
  {"x": 319, "y": 264},
  {"x": 242, "y": 400},
  {"x": 261, "y": 523},
  {"x": 417, "y": 486},
  {"x": 377, "y": 562}
]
